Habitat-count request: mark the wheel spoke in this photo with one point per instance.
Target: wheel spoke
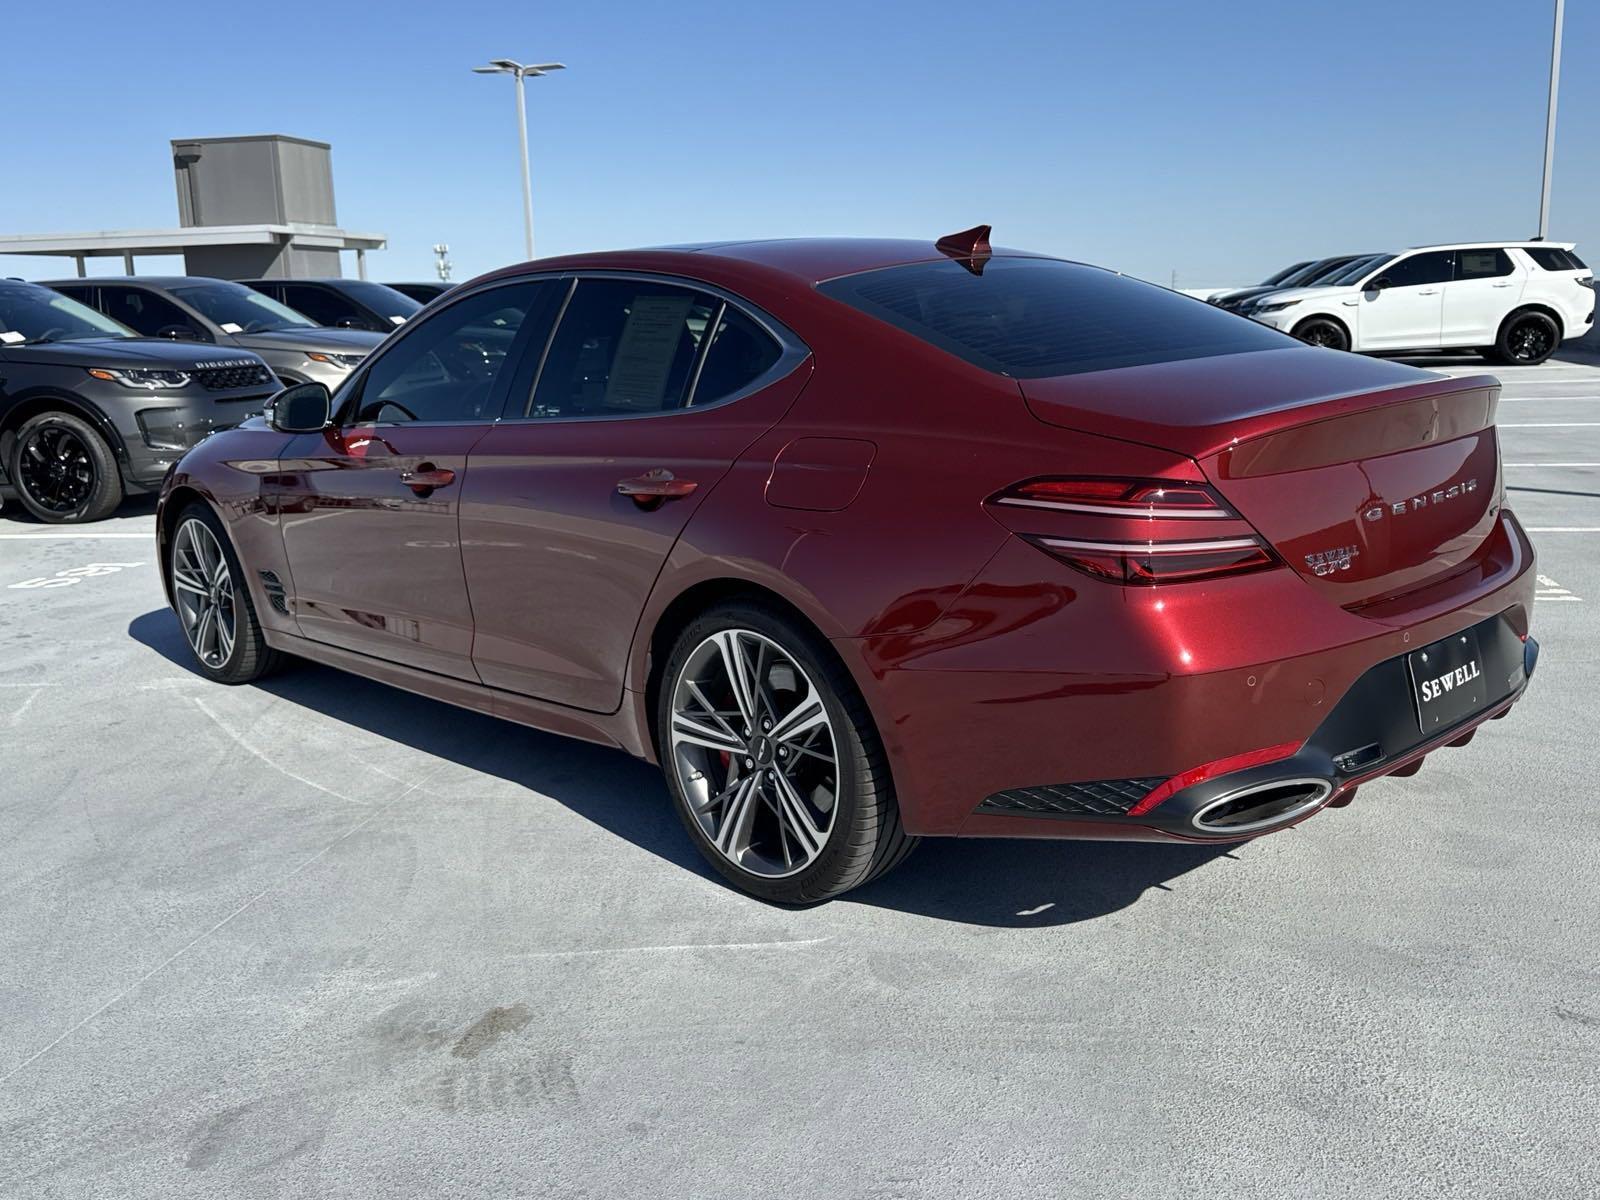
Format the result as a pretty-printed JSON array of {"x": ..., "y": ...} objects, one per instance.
[
  {"x": 711, "y": 710},
  {"x": 733, "y": 834},
  {"x": 686, "y": 729},
  {"x": 806, "y": 716},
  {"x": 185, "y": 581},
  {"x": 738, "y": 675},
  {"x": 796, "y": 816},
  {"x": 202, "y": 633}
]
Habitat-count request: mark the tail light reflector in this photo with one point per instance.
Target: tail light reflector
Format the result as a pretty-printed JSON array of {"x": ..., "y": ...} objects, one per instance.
[
  {"x": 1210, "y": 770},
  {"x": 1158, "y": 562}
]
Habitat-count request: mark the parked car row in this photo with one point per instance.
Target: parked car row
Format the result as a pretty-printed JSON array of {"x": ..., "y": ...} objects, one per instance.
[
  {"x": 1511, "y": 302},
  {"x": 105, "y": 382}
]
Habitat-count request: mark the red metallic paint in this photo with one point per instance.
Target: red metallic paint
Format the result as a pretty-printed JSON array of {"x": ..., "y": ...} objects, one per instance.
[{"x": 986, "y": 663}]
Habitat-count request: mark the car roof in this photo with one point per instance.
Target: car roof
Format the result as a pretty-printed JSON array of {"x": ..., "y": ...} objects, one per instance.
[
  {"x": 1525, "y": 243},
  {"x": 154, "y": 281},
  {"x": 808, "y": 260}
]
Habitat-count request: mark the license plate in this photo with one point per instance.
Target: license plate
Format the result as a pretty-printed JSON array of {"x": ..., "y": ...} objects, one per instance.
[{"x": 1447, "y": 680}]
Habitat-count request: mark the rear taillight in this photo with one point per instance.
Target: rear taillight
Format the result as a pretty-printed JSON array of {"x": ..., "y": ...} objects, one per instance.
[
  {"x": 1158, "y": 562},
  {"x": 1154, "y": 498},
  {"x": 1131, "y": 542}
]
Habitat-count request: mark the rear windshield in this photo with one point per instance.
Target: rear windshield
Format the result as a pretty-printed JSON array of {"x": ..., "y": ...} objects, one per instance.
[
  {"x": 1554, "y": 258},
  {"x": 1034, "y": 317}
]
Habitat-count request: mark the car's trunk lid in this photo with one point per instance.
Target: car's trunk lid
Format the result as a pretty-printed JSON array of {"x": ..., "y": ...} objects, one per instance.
[{"x": 1367, "y": 477}]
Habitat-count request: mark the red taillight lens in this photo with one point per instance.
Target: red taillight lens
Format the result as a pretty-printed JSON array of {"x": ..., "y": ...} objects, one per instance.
[
  {"x": 1210, "y": 770},
  {"x": 1158, "y": 562},
  {"x": 1167, "y": 499}
]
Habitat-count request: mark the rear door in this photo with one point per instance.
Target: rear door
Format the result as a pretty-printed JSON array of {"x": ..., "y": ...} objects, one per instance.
[
  {"x": 1406, "y": 313},
  {"x": 648, "y": 392},
  {"x": 368, "y": 508},
  {"x": 1486, "y": 286}
]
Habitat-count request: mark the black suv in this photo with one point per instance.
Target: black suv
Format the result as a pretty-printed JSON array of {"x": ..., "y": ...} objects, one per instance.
[
  {"x": 342, "y": 303},
  {"x": 90, "y": 411}
]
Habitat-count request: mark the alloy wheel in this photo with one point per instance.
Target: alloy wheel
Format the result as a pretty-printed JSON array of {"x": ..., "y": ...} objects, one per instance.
[
  {"x": 55, "y": 468},
  {"x": 203, "y": 586},
  {"x": 754, "y": 752},
  {"x": 1529, "y": 340}
]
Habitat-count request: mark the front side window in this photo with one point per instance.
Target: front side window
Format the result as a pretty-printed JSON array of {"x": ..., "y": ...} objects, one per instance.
[
  {"x": 1435, "y": 266},
  {"x": 394, "y": 307},
  {"x": 324, "y": 306},
  {"x": 235, "y": 308},
  {"x": 33, "y": 314},
  {"x": 446, "y": 367},
  {"x": 1482, "y": 264},
  {"x": 624, "y": 347},
  {"x": 1034, "y": 317},
  {"x": 145, "y": 312}
]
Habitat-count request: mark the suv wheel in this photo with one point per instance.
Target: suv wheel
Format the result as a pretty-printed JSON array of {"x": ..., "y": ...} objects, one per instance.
[
  {"x": 1527, "y": 339},
  {"x": 63, "y": 470},
  {"x": 772, "y": 759},
  {"x": 1321, "y": 331}
]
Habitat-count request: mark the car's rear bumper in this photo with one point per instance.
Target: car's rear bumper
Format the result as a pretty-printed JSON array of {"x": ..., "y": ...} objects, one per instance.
[{"x": 1038, "y": 681}]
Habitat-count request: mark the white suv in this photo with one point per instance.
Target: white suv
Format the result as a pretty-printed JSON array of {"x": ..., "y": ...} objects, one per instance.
[{"x": 1512, "y": 302}]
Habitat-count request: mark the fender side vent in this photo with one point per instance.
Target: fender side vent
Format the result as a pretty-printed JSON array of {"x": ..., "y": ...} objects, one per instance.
[
  {"x": 1101, "y": 798},
  {"x": 275, "y": 596}
]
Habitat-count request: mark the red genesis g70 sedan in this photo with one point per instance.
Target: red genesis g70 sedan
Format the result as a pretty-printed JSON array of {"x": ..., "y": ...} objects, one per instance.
[{"x": 865, "y": 541}]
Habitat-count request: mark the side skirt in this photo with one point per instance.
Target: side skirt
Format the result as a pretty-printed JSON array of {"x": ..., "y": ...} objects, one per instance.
[{"x": 618, "y": 730}]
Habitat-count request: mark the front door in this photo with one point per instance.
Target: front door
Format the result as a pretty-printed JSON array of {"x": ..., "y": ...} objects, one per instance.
[
  {"x": 1406, "y": 313},
  {"x": 648, "y": 394},
  {"x": 369, "y": 507}
]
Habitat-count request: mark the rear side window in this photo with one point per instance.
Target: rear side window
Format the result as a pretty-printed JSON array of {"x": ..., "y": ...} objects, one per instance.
[
  {"x": 1554, "y": 258},
  {"x": 1482, "y": 264},
  {"x": 624, "y": 347},
  {"x": 740, "y": 353},
  {"x": 1034, "y": 317}
]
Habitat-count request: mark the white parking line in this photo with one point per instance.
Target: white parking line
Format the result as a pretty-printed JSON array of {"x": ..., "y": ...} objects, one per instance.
[
  {"x": 1563, "y": 529},
  {"x": 1549, "y": 589},
  {"x": 1567, "y": 464},
  {"x": 1554, "y": 425},
  {"x": 71, "y": 536}
]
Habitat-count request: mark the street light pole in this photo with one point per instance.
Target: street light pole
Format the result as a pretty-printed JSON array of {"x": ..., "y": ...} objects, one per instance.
[
  {"x": 519, "y": 72},
  {"x": 1550, "y": 122}
]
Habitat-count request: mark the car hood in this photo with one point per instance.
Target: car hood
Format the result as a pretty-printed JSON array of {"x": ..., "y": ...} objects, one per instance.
[
  {"x": 149, "y": 353},
  {"x": 328, "y": 341},
  {"x": 1288, "y": 295}
]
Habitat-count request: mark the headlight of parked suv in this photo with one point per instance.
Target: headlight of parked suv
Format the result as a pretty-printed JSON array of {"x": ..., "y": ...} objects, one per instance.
[
  {"x": 343, "y": 361},
  {"x": 145, "y": 381},
  {"x": 1278, "y": 306}
]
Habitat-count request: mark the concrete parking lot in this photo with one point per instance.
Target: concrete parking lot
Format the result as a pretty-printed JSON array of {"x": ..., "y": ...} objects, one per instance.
[{"x": 319, "y": 938}]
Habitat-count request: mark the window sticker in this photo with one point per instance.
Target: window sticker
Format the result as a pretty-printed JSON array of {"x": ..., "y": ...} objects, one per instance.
[
  {"x": 231, "y": 327},
  {"x": 645, "y": 351},
  {"x": 11, "y": 337}
]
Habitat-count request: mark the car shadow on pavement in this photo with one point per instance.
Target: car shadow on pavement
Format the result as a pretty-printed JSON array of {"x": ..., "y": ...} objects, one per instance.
[{"x": 981, "y": 881}]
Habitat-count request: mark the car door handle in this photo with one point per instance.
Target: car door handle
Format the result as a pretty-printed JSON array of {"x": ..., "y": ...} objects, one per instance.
[
  {"x": 426, "y": 477},
  {"x": 655, "y": 487},
  {"x": 1500, "y": 284},
  {"x": 1429, "y": 292}
]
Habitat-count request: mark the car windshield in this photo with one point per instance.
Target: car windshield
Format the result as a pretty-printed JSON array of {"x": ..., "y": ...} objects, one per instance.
[
  {"x": 1357, "y": 269},
  {"x": 30, "y": 314},
  {"x": 238, "y": 309},
  {"x": 1035, "y": 317},
  {"x": 380, "y": 298},
  {"x": 1280, "y": 276}
]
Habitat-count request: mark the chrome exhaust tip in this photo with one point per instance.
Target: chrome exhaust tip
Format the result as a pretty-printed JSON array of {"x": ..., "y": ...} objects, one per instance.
[{"x": 1262, "y": 806}]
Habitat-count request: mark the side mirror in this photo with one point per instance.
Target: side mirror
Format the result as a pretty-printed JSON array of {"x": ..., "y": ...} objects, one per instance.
[
  {"x": 301, "y": 408},
  {"x": 1378, "y": 284}
]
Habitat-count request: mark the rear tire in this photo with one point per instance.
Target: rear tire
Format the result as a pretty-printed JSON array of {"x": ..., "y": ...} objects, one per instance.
[
  {"x": 64, "y": 471},
  {"x": 1323, "y": 331},
  {"x": 1526, "y": 339},
  {"x": 212, "y": 599},
  {"x": 794, "y": 818}
]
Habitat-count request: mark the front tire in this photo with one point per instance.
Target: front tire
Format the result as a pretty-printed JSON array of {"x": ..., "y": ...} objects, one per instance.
[
  {"x": 1323, "y": 331},
  {"x": 64, "y": 471},
  {"x": 1526, "y": 340},
  {"x": 774, "y": 764},
  {"x": 213, "y": 602}
]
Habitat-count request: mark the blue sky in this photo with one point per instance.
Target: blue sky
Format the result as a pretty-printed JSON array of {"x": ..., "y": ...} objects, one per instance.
[{"x": 1217, "y": 140}]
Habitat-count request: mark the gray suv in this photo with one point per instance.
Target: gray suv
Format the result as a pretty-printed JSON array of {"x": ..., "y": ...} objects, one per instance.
[{"x": 192, "y": 308}]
